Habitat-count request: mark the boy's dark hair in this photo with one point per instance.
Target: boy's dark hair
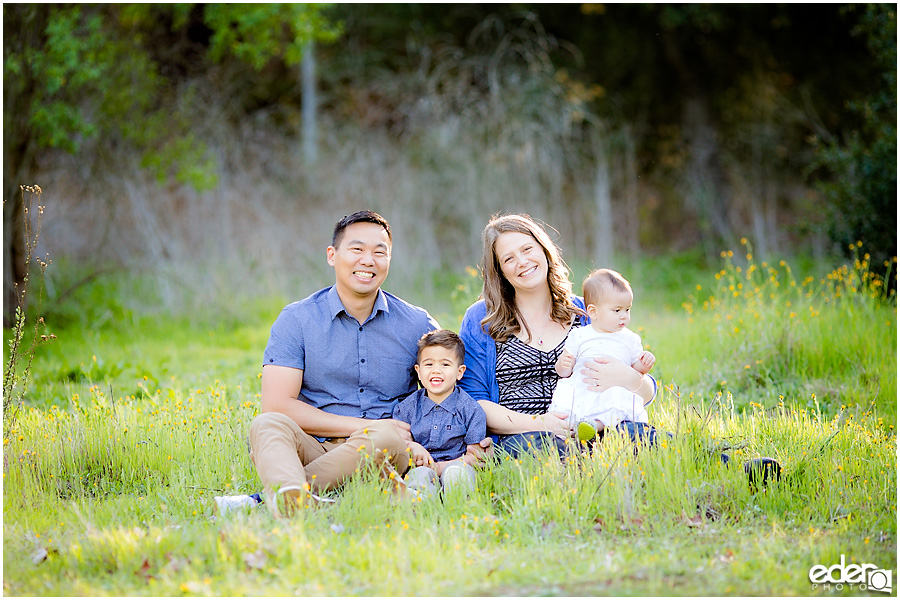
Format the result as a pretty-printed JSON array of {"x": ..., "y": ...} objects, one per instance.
[
  {"x": 362, "y": 216},
  {"x": 445, "y": 339}
]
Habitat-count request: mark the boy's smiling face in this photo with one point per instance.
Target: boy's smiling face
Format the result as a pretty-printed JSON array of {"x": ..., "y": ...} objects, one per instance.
[{"x": 439, "y": 370}]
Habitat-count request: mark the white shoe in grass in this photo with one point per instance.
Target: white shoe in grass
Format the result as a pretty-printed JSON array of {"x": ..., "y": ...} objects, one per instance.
[{"x": 229, "y": 504}]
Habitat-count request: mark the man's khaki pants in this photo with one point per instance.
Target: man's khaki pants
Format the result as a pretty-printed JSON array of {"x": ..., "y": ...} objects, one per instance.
[{"x": 287, "y": 458}]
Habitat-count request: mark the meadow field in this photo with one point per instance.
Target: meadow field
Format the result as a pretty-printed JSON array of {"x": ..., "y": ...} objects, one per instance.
[{"x": 132, "y": 423}]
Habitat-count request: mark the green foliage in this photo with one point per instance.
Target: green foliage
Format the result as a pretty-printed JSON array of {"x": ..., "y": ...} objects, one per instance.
[
  {"x": 86, "y": 74},
  {"x": 128, "y": 435},
  {"x": 111, "y": 492},
  {"x": 79, "y": 81},
  {"x": 257, "y": 33},
  {"x": 184, "y": 159},
  {"x": 769, "y": 336},
  {"x": 861, "y": 182},
  {"x": 19, "y": 349}
]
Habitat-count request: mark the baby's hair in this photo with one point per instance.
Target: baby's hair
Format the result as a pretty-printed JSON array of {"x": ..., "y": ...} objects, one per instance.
[
  {"x": 601, "y": 282},
  {"x": 445, "y": 339}
]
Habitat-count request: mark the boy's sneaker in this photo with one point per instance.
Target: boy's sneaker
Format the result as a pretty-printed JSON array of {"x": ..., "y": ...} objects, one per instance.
[
  {"x": 228, "y": 504},
  {"x": 585, "y": 432}
]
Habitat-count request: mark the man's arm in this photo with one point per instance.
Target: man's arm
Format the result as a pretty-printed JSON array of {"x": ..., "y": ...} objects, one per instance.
[{"x": 280, "y": 389}]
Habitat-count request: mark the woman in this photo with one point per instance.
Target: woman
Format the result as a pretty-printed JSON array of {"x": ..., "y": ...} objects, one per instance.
[{"x": 516, "y": 331}]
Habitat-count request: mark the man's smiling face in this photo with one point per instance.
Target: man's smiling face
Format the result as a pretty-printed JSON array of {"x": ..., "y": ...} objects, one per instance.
[{"x": 361, "y": 260}]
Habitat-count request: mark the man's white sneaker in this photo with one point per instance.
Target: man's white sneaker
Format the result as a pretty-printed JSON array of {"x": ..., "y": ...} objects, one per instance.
[{"x": 227, "y": 504}]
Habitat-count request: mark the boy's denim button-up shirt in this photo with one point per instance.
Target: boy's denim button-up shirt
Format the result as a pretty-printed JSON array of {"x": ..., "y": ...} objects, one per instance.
[{"x": 444, "y": 429}]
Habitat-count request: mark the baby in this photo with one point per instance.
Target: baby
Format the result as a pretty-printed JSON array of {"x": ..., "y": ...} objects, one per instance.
[{"x": 608, "y": 298}]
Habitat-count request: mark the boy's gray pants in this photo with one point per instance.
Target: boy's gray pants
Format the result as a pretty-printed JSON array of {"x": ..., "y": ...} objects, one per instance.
[{"x": 456, "y": 475}]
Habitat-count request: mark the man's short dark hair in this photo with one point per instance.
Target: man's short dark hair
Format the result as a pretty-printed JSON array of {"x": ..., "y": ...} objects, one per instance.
[
  {"x": 362, "y": 216},
  {"x": 445, "y": 339}
]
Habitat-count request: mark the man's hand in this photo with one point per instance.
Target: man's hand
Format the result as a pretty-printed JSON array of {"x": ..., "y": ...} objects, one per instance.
[
  {"x": 565, "y": 364},
  {"x": 644, "y": 362},
  {"x": 403, "y": 427},
  {"x": 477, "y": 454}
]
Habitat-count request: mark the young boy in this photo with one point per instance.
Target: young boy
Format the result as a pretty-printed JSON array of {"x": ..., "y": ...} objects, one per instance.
[
  {"x": 444, "y": 420},
  {"x": 608, "y": 298}
]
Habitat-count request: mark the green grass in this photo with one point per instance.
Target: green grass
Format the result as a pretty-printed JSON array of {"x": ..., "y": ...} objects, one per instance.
[{"x": 111, "y": 467}]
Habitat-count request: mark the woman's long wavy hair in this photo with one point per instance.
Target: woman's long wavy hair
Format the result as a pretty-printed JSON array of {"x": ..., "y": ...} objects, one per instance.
[{"x": 503, "y": 318}]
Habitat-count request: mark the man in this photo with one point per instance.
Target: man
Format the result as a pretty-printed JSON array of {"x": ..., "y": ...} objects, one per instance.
[{"x": 335, "y": 365}]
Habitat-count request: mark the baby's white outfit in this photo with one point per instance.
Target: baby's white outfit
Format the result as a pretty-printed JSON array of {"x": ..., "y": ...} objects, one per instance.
[{"x": 611, "y": 406}]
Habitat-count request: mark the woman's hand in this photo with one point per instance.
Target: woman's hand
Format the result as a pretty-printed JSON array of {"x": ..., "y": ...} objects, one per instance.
[
  {"x": 478, "y": 454},
  {"x": 556, "y": 423},
  {"x": 604, "y": 372}
]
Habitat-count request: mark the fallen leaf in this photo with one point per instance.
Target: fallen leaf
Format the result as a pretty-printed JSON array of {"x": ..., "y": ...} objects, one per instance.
[
  {"x": 145, "y": 569},
  {"x": 547, "y": 529},
  {"x": 696, "y": 521},
  {"x": 176, "y": 563},
  {"x": 255, "y": 560}
]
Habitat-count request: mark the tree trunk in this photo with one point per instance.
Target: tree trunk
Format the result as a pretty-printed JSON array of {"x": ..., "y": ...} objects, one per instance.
[
  {"x": 310, "y": 148},
  {"x": 705, "y": 181},
  {"x": 13, "y": 250},
  {"x": 23, "y": 25},
  {"x": 603, "y": 234},
  {"x": 632, "y": 202}
]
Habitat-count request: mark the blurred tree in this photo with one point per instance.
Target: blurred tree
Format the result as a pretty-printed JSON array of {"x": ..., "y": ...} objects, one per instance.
[
  {"x": 860, "y": 167},
  {"x": 701, "y": 102},
  {"x": 82, "y": 76},
  {"x": 718, "y": 100},
  {"x": 721, "y": 94}
]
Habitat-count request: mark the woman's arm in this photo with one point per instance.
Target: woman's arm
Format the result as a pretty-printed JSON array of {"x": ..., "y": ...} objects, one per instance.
[
  {"x": 503, "y": 421},
  {"x": 604, "y": 372},
  {"x": 475, "y": 380},
  {"x": 647, "y": 390}
]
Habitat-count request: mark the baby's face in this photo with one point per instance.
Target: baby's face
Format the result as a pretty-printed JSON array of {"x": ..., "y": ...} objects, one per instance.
[{"x": 612, "y": 313}]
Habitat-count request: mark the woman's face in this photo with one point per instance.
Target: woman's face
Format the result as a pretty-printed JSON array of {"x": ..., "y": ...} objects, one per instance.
[{"x": 522, "y": 261}]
